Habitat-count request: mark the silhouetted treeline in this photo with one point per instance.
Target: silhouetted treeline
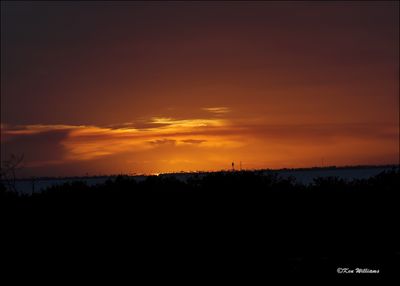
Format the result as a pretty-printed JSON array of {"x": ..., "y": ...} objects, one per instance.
[
  {"x": 215, "y": 185},
  {"x": 242, "y": 219}
]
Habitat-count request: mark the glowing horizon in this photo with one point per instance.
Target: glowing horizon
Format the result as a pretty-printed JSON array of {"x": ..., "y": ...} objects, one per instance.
[{"x": 211, "y": 144}]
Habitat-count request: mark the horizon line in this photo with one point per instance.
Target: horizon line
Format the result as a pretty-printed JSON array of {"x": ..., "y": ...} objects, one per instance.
[{"x": 133, "y": 174}]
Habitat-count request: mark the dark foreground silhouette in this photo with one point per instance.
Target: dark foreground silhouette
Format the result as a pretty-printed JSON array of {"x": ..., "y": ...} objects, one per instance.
[{"x": 228, "y": 225}]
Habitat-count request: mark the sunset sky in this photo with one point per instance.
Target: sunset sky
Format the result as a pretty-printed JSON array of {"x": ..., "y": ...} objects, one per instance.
[{"x": 151, "y": 87}]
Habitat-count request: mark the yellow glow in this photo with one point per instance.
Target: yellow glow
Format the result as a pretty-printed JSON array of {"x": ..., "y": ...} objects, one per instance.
[{"x": 92, "y": 142}]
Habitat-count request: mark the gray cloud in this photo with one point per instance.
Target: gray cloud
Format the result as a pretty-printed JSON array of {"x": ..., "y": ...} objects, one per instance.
[
  {"x": 193, "y": 141},
  {"x": 38, "y": 149},
  {"x": 162, "y": 142}
]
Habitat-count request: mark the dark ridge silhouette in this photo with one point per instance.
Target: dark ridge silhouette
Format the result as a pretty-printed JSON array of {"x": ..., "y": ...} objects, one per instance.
[{"x": 248, "y": 222}]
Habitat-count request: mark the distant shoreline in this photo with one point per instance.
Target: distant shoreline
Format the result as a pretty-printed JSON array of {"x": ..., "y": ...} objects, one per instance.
[{"x": 327, "y": 168}]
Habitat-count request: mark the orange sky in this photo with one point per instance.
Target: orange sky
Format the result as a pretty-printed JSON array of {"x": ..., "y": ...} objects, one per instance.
[{"x": 133, "y": 87}]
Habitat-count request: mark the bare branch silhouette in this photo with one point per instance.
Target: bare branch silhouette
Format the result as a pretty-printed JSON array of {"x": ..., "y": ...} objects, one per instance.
[{"x": 8, "y": 171}]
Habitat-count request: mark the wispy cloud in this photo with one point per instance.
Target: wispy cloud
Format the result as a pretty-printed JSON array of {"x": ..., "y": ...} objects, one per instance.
[
  {"x": 208, "y": 140},
  {"x": 37, "y": 128},
  {"x": 182, "y": 123},
  {"x": 217, "y": 110},
  {"x": 91, "y": 142}
]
